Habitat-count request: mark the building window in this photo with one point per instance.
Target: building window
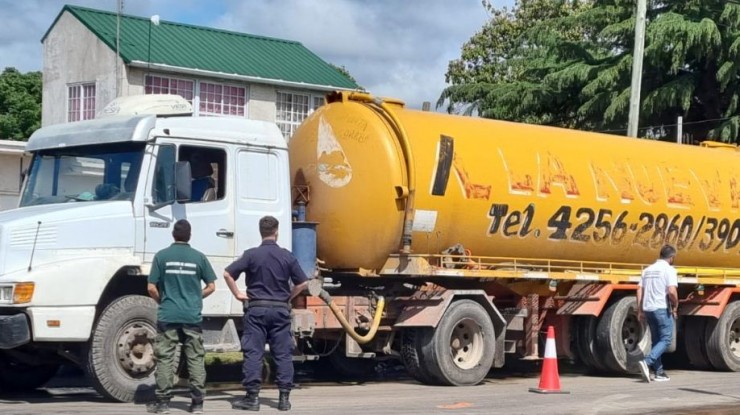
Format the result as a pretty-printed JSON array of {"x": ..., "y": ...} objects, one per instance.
[
  {"x": 81, "y": 102},
  {"x": 317, "y": 102},
  {"x": 220, "y": 99},
  {"x": 164, "y": 85},
  {"x": 207, "y": 98},
  {"x": 293, "y": 108}
]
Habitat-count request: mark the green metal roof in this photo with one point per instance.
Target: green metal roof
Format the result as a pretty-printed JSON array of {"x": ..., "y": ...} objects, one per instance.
[{"x": 206, "y": 49}]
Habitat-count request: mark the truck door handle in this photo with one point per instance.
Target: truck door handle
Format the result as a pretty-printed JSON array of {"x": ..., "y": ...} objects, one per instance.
[{"x": 223, "y": 233}]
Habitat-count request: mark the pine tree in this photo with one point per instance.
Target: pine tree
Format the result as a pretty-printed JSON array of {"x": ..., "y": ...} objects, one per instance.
[{"x": 568, "y": 63}]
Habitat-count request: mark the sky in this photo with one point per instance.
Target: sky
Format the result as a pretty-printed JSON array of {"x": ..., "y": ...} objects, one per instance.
[{"x": 393, "y": 48}]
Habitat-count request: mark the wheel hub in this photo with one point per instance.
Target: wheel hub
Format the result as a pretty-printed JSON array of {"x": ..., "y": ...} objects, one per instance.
[
  {"x": 734, "y": 338},
  {"x": 466, "y": 344},
  {"x": 631, "y": 332},
  {"x": 135, "y": 350}
]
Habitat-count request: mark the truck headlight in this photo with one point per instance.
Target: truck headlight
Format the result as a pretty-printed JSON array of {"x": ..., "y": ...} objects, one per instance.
[
  {"x": 18, "y": 293},
  {"x": 6, "y": 294}
]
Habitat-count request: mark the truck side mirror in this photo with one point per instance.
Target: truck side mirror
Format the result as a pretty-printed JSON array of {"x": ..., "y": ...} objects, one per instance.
[{"x": 183, "y": 181}]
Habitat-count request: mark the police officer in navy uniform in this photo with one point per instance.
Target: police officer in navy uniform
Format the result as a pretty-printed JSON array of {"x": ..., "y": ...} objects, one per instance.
[{"x": 269, "y": 270}]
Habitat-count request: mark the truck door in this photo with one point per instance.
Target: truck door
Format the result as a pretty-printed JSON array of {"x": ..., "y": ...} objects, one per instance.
[
  {"x": 210, "y": 210},
  {"x": 262, "y": 188}
]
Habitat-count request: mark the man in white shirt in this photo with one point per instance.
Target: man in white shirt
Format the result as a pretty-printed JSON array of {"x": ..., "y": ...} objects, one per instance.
[{"x": 657, "y": 301}]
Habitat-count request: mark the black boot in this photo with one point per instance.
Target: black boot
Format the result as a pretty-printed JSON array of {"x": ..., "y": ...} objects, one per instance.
[
  {"x": 284, "y": 402},
  {"x": 251, "y": 402}
]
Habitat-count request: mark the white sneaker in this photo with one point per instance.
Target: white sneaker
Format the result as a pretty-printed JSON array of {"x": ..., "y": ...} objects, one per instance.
[
  {"x": 661, "y": 377},
  {"x": 644, "y": 371}
]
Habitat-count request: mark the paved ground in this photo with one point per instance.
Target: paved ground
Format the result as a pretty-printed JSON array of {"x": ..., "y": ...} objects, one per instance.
[{"x": 688, "y": 392}]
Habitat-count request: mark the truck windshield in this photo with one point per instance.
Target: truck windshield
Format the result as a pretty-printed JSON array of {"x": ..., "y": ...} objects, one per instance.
[{"x": 83, "y": 174}]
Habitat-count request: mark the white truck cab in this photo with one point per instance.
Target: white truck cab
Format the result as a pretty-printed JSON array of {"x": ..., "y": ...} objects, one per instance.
[{"x": 99, "y": 200}]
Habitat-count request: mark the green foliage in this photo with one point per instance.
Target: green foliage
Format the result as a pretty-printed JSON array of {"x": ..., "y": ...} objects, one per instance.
[
  {"x": 569, "y": 63},
  {"x": 728, "y": 129},
  {"x": 20, "y": 104},
  {"x": 674, "y": 94},
  {"x": 345, "y": 72}
]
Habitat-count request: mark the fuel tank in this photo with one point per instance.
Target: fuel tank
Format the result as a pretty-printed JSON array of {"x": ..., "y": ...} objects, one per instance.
[{"x": 508, "y": 190}]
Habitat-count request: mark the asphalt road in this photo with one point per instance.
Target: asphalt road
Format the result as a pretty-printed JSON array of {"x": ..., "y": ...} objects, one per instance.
[{"x": 505, "y": 392}]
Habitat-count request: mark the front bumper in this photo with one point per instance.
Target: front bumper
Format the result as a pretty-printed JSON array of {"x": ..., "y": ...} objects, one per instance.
[{"x": 14, "y": 331}]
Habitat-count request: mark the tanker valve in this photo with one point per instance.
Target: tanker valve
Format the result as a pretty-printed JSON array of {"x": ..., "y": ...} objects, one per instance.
[
  {"x": 299, "y": 214},
  {"x": 699, "y": 290},
  {"x": 553, "y": 285}
]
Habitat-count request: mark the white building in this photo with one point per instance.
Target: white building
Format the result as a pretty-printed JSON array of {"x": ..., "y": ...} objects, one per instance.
[
  {"x": 13, "y": 162},
  {"x": 221, "y": 73}
]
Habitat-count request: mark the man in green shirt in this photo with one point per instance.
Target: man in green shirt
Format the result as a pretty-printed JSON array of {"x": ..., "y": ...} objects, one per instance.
[{"x": 175, "y": 283}]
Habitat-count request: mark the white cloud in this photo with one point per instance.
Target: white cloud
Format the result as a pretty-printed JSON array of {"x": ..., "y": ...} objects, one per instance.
[
  {"x": 25, "y": 22},
  {"x": 397, "y": 48},
  {"x": 392, "y": 48}
]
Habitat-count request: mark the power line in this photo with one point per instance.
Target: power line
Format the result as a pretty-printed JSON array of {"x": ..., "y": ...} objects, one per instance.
[{"x": 669, "y": 125}]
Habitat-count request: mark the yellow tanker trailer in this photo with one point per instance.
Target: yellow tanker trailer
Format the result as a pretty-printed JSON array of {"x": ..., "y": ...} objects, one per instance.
[{"x": 472, "y": 230}]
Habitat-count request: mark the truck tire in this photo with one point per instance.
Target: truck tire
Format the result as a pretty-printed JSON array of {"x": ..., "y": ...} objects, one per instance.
[
  {"x": 460, "y": 352},
  {"x": 16, "y": 376},
  {"x": 723, "y": 339},
  {"x": 585, "y": 339},
  {"x": 120, "y": 355},
  {"x": 621, "y": 339},
  {"x": 678, "y": 358},
  {"x": 695, "y": 342},
  {"x": 412, "y": 340}
]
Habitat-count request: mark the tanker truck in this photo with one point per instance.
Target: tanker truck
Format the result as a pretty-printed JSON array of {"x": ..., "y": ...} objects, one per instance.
[{"x": 446, "y": 243}]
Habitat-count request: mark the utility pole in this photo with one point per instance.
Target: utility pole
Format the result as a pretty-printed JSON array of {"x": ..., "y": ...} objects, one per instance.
[
  {"x": 679, "y": 130},
  {"x": 118, "y": 48},
  {"x": 154, "y": 20},
  {"x": 634, "y": 117}
]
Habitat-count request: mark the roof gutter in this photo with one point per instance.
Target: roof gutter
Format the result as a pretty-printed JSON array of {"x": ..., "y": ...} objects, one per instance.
[
  {"x": 12, "y": 147},
  {"x": 236, "y": 77}
]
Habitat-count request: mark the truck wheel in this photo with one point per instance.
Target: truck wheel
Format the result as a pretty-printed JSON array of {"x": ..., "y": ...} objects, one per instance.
[
  {"x": 16, "y": 376},
  {"x": 621, "y": 339},
  {"x": 461, "y": 350},
  {"x": 723, "y": 339},
  {"x": 695, "y": 342},
  {"x": 585, "y": 331},
  {"x": 678, "y": 358},
  {"x": 120, "y": 355},
  {"x": 412, "y": 340}
]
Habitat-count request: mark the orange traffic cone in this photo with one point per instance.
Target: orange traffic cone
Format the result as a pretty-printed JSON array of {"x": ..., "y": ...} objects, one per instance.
[{"x": 549, "y": 379}]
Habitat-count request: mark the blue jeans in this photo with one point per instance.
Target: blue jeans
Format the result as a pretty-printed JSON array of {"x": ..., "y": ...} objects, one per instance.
[{"x": 661, "y": 334}]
